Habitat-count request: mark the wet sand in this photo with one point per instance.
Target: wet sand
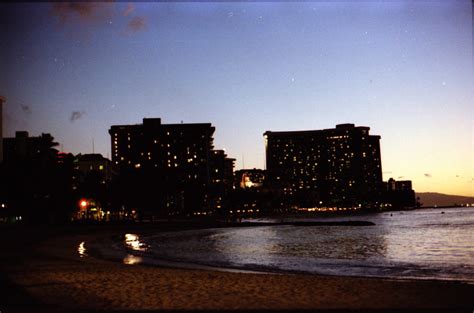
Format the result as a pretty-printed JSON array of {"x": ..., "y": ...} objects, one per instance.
[{"x": 50, "y": 274}]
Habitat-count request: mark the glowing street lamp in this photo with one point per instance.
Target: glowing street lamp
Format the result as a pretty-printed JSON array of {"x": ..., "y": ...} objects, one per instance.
[{"x": 83, "y": 204}]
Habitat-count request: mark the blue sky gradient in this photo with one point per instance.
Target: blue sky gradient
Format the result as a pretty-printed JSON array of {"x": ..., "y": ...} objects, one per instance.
[{"x": 403, "y": 68}]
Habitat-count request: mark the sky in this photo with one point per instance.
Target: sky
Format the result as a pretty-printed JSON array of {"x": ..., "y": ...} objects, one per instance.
[{"x": 402, "y": 68}]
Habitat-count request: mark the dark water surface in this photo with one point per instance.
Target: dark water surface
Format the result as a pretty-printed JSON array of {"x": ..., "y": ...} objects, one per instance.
[{"x": 419, "y": 244}]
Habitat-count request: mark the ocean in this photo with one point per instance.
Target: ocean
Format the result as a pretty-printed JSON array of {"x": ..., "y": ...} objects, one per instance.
[{"x": 418, "y": 244}]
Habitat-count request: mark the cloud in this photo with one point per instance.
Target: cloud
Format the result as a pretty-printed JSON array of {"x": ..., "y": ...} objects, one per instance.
[
  {"x": 75, "y": 115},
  {"x": 25, "y": 108},
  {"x": 136, "y": 24},
  {"x": 84, "y": 12},
  {"x": 428, "y": 175},
  {"x": 129, "y": 10}
]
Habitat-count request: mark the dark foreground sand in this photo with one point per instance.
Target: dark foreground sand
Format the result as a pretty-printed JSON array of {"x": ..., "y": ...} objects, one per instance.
[{"x": 51, "y": 275}]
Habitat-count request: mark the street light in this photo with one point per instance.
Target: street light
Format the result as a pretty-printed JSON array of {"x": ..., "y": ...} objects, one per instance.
[{"x": 83, "y": 204}]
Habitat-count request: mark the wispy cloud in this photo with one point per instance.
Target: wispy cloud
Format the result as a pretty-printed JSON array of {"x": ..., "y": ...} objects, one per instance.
[
  {"x": 75, "y": 115},
  {"x": 25, "y": 108},
  {"x": 83, "y": 12},
  {"x": 428, "y": 175},
  {"x": 136, "y": 24},
  {"x": 96, "y": 14},
  {"x": 129, "y": 10}
]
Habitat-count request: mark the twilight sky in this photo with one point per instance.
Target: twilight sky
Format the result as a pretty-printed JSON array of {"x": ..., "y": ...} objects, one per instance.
[{"x": 403, "y": 68}]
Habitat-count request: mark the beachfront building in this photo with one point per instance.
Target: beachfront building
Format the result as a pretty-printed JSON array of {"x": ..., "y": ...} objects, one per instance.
[
  {"x": 330, "y": 167},
  {"x": 398, "y": 194},
  {"x": 175, "y": 167}
]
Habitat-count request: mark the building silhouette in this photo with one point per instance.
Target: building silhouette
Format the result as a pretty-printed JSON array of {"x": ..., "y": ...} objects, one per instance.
[
  {"x": 249, "y": 178},
  {"x": 184, "y": 175},
  {"x": 250, "y": 196},
  {"x": 25, "y": 147},
  {"x": 94, "y": 164},
  {"x": 399, "y": 194},
  {"x": 331, "y": 167}
]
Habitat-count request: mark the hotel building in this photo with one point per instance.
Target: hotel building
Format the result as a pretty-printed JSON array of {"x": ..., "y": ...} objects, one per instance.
[
  {"x": 191, "y": 178},
  {"x": 331, "y": 167}
]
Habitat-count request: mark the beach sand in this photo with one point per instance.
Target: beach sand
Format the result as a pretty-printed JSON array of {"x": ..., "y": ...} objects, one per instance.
[{"x": 53, "y": 275}]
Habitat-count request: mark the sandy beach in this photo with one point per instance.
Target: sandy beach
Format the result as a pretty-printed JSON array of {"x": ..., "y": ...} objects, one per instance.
[{"x": 51, "y": 274}]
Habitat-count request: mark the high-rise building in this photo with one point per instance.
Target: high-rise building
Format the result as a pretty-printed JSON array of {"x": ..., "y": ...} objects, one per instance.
[
  {"x": 180, "y": 158},
  {"x": 2, "y": 101},
  {"x": 337, "y": 166}
]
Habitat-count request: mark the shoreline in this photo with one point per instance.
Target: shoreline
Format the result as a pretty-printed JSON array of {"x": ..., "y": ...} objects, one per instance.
[
  {"x": 50, "y": 274},
  {"x": 140, "y": 258}
]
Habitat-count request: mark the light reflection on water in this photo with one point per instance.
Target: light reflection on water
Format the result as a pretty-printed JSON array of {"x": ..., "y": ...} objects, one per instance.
[
  {"x": 133, "y": 241},
  {"x": 415, "y": 244},
  {"x": 81, "y": 250},
  {"x": 131, "y": 259}
]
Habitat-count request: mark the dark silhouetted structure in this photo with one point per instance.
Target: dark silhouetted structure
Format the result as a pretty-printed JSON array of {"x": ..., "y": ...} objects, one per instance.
[
  {"x": 35, "y": 182},
  {"x": 249, "y": 178},
  {"x": 330, "y": 167},
  {"x": 88, "y": 164},
  {"x": 23, "y": 147},
  {"x": 399, "y": 194},
  {"x": 174, "y": 168},
  {"x": 250, "y": 196}
]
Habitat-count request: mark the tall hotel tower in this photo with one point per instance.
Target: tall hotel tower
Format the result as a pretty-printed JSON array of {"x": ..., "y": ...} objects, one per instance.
[
  {"x": 337, "y": 166},
  {"x": 183, "y": 168}
]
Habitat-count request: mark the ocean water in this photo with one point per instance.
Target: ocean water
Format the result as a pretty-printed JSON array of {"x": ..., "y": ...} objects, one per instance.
[{"x": 418, "y": 244}]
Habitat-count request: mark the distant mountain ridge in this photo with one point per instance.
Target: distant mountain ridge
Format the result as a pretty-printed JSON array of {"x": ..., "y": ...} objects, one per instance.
[{"x": 440, "y": 199}]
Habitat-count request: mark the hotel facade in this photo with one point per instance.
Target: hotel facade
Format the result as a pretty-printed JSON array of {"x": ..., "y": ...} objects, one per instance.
[
  {"x": 184, "y": 174},
  {"x": 339, "y": 167}
]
